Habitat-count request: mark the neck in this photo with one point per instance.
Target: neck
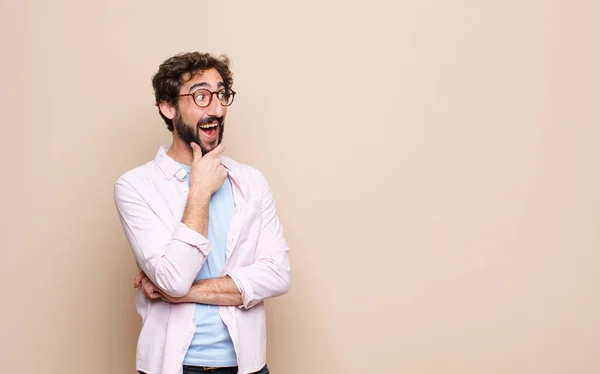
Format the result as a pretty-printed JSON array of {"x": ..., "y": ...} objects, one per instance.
[{"x": 180, "y": 151}]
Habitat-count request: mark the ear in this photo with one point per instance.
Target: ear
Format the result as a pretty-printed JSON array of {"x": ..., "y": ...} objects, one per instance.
[{"x": 167, "y": 109}]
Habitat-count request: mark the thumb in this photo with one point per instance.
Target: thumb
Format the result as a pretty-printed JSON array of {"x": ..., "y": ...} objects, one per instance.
[{"x": 196, "y": 150}]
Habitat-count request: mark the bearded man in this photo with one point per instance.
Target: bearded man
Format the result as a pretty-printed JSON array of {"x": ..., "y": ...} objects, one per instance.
[{"x": 204, "y": 231}]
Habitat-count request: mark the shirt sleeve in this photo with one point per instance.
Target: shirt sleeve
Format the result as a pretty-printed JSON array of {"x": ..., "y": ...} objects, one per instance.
[
  {"x": 269, "y": 275},
  {"x": 170, "y": 259}
]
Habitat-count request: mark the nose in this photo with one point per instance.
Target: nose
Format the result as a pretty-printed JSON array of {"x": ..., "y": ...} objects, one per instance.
[{"x": 215, "y": 108}]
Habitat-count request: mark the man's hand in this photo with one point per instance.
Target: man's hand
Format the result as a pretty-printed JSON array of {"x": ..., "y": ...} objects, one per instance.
[
  {"x": 206, "y": 177},
  {"x": 149, "y": 289},
  {"x": 153, "y": 292},
  {"x": 207, "y": 173}
]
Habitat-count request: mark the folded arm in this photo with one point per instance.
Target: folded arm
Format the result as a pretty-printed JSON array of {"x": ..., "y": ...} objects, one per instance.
[
  {"x": 247, "y": 286},
  {"x": 214, "y": 291},
  {"x": 171, "y": 260}
]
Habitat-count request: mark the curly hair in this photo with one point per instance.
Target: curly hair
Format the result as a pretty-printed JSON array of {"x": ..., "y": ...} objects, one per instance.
[{"x": 176, "y": 70}]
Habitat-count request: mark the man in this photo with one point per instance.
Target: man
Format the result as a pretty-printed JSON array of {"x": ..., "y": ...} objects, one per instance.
[{"x": 204, "y": 231}]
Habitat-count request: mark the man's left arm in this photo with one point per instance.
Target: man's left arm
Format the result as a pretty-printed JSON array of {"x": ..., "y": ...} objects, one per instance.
[
  {"x": 247, "y": 286},
  {"x": 214, "y": 291},
  {"x": 269, "y": 275}
]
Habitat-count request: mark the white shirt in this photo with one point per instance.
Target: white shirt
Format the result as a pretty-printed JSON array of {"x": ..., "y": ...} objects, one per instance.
[{"x": 150, "y": 200}]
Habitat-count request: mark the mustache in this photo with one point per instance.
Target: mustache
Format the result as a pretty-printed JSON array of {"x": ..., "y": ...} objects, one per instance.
[{"x": 210, "y": 119}]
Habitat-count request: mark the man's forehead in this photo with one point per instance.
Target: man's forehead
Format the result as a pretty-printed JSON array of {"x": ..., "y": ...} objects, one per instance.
[{"x": 209, "y": 76}]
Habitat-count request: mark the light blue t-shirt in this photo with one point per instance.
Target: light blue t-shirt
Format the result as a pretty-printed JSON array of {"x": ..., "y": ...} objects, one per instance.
[{"x": 211, "y": 344}]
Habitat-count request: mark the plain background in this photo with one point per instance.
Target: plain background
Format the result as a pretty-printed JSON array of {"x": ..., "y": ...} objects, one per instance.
[{"x": 435, "y": 166}]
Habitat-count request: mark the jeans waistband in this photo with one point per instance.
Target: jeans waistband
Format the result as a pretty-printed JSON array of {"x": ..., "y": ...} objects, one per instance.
[{"x": 188, "y": 369}]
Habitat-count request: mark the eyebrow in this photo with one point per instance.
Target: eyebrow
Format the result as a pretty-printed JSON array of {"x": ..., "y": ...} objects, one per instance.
[{"x": 205, "y": 84}]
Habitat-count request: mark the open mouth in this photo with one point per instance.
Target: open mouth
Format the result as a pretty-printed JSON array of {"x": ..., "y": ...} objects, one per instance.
[{"x": 210, "y": 129}]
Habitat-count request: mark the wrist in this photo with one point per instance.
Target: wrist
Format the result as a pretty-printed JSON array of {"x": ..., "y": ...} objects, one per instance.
[
  {"x": 198, "y": 193},
  {"x": 195, "y": 294}
]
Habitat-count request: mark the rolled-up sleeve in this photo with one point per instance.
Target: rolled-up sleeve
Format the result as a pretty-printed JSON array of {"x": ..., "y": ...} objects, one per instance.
[
  {"x": 269, "y": 275},
  {"x": 171, "y": 259}
]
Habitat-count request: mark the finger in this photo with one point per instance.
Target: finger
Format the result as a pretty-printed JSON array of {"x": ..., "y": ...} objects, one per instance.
[
  {"x": 154, "y": 295},
  {"x": 196, "y": 150},
  {"x": 138, "y": 279},
  {"x": 149, "y": 291},
  {"x": 146, "y": 285},
  {"x": 217, "y": 151}
]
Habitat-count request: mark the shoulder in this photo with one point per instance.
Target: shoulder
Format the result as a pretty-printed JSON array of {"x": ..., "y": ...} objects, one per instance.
[
  {"x": 139, "y": 173},
  {"x": 136, "y": 178}
]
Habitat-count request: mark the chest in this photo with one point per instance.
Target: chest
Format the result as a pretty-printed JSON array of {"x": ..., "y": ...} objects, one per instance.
[{"x": 234, "y": 212}]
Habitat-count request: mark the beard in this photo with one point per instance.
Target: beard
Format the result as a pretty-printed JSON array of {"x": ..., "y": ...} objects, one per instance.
[{"x": 189, "y": 133}]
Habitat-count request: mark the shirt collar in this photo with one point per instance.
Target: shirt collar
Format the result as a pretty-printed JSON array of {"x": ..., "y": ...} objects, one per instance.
[{"x": 167, "y": 165}]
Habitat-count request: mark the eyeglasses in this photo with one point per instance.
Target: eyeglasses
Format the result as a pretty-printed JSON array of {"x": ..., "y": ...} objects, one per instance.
[{"x": 203, "y": 97}]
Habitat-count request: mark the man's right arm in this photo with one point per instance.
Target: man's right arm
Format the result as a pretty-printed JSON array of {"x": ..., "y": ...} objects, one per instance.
[
  {"x": 171, "y": 260},
  {"x": 195, "y": 215}
]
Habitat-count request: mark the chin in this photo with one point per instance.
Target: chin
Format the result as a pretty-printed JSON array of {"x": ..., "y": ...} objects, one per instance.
[{"x": 208, "y": 147}]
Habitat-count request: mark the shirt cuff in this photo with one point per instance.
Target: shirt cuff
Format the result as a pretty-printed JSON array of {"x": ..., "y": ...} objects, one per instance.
[
  {"x": 243, "y": 286},
  {"x": 191, "y": 237}
]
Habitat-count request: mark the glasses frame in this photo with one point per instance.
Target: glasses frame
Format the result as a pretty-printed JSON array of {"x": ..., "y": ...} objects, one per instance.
[{"x": 212, "y": 93}]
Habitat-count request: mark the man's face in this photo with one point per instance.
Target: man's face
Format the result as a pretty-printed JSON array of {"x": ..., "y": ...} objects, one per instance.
[{"x": 203, "y": 126}]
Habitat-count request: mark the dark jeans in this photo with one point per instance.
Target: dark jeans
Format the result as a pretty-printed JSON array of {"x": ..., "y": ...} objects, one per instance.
[{"x": 233, "y": 370}]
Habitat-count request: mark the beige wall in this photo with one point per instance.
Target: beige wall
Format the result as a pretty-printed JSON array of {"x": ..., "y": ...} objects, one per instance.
[{"x": 435, "y": 165}]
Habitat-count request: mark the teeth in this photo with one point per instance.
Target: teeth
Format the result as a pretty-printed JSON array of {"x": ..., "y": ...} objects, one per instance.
[{"x": 208, "y": 126}]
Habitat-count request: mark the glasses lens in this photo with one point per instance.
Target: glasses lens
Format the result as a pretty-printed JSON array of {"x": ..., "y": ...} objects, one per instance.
[
  {"x": 202, "y": 97},
  {"x": 225, "y": 97}
]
